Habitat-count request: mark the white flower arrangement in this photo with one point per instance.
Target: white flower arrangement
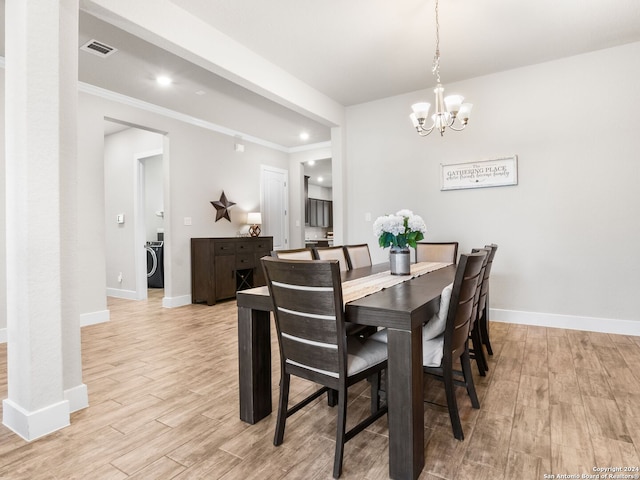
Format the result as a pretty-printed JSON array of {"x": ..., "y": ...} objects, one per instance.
[{"x": 399, "y": 230}]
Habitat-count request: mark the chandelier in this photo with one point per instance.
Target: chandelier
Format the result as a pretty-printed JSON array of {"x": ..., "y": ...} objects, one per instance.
[{"x": 448, "y": 109}]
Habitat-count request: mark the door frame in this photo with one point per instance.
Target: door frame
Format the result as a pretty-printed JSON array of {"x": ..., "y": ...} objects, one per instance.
[
  {"x": 138, "y": 215},
  {"x": 285, "y": 174}
]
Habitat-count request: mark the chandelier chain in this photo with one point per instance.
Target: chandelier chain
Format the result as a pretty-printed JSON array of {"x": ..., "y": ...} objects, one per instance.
[
  {"x": 450, "y": 112},
  {"x": 436, "y": 58}
]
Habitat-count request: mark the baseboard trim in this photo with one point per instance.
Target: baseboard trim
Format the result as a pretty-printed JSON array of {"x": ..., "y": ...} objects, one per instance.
[
  {"x": 173, "y": 302},
  {"x": 3, "y": 335},
  {"x": 93, "y": 318},
  {"x": 119, "y": 293},
  {"x": 33, "y": 425},
  {"x": 78, "y": 397},
  {"x": 571, "y": 322}
]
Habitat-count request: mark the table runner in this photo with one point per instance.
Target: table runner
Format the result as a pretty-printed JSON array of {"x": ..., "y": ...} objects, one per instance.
[{"x": 361, "y": 287}]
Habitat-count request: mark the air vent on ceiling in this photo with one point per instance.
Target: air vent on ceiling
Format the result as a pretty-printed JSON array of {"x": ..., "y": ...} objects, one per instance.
[{"x": 98, "y": 48}]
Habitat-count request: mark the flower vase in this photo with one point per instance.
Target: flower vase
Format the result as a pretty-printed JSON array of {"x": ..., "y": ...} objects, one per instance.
[{"x": 400, "y": 261}]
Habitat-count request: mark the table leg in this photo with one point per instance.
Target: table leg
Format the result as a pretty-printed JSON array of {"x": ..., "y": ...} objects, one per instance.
[
  {"x": 254, "y": 357},
  {"x": 406, "y": 409}
]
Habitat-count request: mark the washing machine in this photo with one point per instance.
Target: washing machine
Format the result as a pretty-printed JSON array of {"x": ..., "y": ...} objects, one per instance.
[{"x": 155, "y": 264}]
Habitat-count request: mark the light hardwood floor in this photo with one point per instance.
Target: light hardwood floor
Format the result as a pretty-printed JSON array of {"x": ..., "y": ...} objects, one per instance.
[{"x": 164, "y": 404}]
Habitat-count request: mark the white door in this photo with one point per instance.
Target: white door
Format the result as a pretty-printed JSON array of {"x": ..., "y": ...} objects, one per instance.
[{"x": 275, "y": 206}]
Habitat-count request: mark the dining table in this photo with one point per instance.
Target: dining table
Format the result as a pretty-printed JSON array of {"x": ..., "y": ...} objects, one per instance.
[{"x": 402, "y": 306}]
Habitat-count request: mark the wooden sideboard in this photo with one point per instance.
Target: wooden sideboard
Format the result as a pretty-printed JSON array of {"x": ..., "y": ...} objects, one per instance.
[{"x": 222, "y": 266}]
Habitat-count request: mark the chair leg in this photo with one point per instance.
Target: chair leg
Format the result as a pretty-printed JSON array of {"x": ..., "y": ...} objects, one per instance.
[
  {"x": 452, "y": 404},
  {"x": 484, "y": 328},
  {"x": 340, "y": 433},
  {"x": 478, "y": 351},
  {"x": 375, "y": 392},
  {"x": 332, "y": 397},
  {"x": 465, "y": 361},
  {"x": 282, "y": 409}
]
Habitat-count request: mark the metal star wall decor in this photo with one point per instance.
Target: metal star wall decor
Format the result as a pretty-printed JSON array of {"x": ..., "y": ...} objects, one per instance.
[{"x": 222, "y": 207}]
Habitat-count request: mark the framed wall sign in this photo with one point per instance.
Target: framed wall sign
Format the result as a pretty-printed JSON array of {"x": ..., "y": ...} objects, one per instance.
[{"x": 484, "y": 173}]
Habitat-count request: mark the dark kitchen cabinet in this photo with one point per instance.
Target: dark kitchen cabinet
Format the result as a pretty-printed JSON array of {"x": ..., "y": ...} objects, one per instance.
[
  {"x": 313, "y": 212},
  {"x": 222, "y": 266},
  {"x": 327, "y": 213},
  {"x": 320, "y": 213}
]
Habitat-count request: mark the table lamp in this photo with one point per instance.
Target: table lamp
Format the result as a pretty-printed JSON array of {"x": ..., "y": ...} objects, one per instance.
[{"x": 254, "y": 219}]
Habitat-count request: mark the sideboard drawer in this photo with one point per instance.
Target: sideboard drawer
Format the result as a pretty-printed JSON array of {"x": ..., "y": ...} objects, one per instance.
[
  {"x": 263, "y": 246},
  {"x": 245, "y": 247},
  {"x": 244, "y": 260},
  {"x": 225, "y": 248}
]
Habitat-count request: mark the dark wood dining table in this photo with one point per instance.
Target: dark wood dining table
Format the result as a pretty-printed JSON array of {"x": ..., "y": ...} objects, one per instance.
[{"x": 402, "y": 309}]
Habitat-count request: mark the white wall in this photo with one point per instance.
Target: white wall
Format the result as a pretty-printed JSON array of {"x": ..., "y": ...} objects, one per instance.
[
  {"x": 91, "y": 218},
  {"x": 200, "y": 165},
  {"x": 568, "y": 233}
]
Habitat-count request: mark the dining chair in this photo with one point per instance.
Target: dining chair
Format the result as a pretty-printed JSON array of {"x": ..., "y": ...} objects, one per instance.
[
  {"x": 445, "y": 337},
  {"x": 294, "y": 254},
  {"x": 309, "y": 316},
  {"x": 440, "y": 353},
  {"x": 437, "y": 252},
  {"x": 332, "y": 253},
  {"x": 476, "y": 350},
  {"x": 353, "y": 329},
  {"x": 483, "y": 307},
  {"x": 358, "y": 256}
]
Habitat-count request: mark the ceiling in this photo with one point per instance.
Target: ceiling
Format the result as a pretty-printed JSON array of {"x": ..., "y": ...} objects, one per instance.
[
  {"x": 132, "y": 71},
  {"x": 361, "y": 50},
  {"x": 353, "y": 51}
]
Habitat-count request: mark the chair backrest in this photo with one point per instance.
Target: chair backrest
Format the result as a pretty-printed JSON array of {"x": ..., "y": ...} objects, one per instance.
[
  {"x": 358, "y": 255},
  {"x": 332, "y": 253},
  {"x": 456, "y": 333},
  {"x": 309, "y": 316},
  {"x": 437, "y": 252},
  {"x": 480, "y": 287},
  {"x": 487, "y": 272},
  {"x": 295, "y": 254}
]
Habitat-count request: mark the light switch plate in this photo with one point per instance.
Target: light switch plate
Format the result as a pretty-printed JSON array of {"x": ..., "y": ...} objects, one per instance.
[{"x": 120, "y": 218}]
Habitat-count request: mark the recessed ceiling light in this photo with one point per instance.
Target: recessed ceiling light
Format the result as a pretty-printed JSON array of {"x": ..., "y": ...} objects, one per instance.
[
  {"x": 304, "y": 136},
  {"x": 320, "y": 179},
  {"x": 164, "y": 80},
  {"x": 311, "y": 163}
]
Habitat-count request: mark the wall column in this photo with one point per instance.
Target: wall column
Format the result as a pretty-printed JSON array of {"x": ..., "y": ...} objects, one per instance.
[
  {"x": 341, "y": 235},
  {"x": 43, "y": 351}
]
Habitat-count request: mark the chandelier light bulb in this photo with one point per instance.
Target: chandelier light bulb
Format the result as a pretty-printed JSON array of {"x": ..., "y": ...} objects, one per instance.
[
  {"x": 421, "y": 110},
  {"x": 453, "y": 103}
]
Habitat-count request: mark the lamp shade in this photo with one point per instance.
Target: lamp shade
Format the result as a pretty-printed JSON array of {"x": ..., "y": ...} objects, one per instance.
[{"x": 254, "y": 218}]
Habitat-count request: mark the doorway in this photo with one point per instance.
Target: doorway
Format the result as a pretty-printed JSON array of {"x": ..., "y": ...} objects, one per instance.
[
  {"x": 129, "y": 154},
  {"x": 149, "y": 219},
  {"x": 275, "y": 205}
]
